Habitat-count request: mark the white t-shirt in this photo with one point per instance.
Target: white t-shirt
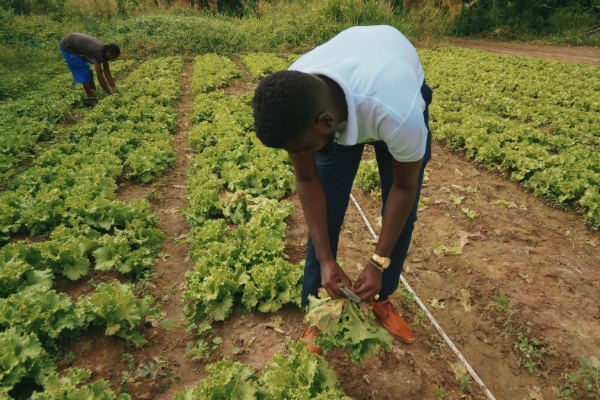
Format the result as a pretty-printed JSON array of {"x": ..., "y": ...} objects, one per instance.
[{"x": 380, "y": 73}]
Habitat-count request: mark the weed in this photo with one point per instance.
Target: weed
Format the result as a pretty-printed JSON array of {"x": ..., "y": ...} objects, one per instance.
[
  {"x": 471, "y": 214},
  {"x": 588, "y": 376},
  {"x": 505, "y": 204},
  {"x": 454, "y": 248},
  {"x": 126, "y": 376},
  {"x": 144, "y": 283},
  {"x": 167, "y": 384},
  {"x": 462, "y": 377},
  {"x": 70, "y": 356},
  {"x": 199, "y": 351},
  {"x": 217, "y": 341},
  {"x": 456, "y": 200},
  {"x": 565, "y": 392},
  {"x": 439, "y": 392},
  {"x": 530, "y": 350},
  {"x": 92, "y": 283},
  {"x": 406, "y": 300},
  {"x": 153, "y": 369},
  {"x": 169, "y": 291},
  {"x": 466, "y": 384},
  {"x": 200, "y": 329},
  {"x": 154, "y": 196},
  {"x": 502, "y": 302},
  {"x": 128, "y": 358},
  {"x": 407, "y": 294}
]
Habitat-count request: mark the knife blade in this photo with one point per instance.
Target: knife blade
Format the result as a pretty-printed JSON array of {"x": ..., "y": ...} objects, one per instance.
[{"x": 349, "y": 293}]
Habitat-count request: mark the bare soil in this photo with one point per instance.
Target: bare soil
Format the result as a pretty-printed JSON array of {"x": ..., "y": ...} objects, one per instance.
[
  {"x": 571, "y": 54},
  {"x": 546, "y": 262}
]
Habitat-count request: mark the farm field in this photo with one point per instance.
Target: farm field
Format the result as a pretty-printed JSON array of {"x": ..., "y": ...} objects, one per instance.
[{"x": 511, "y": 279}]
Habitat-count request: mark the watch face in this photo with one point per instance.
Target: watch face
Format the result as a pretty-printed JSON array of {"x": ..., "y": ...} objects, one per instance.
[{"x": 383, "y": 261}]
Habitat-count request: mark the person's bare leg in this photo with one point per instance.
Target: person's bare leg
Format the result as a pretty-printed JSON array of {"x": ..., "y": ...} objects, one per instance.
[{"x": 89, "y": 88}]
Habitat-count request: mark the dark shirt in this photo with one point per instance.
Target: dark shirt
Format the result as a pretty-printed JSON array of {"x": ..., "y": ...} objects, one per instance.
[{"x": 86, "y": 46}]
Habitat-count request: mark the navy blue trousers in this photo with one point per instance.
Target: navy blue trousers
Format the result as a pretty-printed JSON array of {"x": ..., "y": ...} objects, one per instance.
[{"x": 337, "y": 171}]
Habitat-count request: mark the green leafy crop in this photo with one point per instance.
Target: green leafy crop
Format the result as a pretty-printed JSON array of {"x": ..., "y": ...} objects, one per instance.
[
  {"x": 115, "y": 306},
  {"x": 297, "y": 375},
  {"x": 345, "y": 324}
]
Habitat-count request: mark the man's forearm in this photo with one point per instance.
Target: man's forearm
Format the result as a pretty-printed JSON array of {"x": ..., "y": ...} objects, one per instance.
[
  {"x": 104, "y": 85},
  {"x": 109, "y": 78},
  {"x": 314, "y": 206},
  {"x": 107, "y": 74},
  {"x": 111, "y": 81},
  {"x": 101, "y": 79},
  {"x": 397, "y": 208}
]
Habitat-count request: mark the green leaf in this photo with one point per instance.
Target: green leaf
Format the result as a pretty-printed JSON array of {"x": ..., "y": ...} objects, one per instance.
[{"x": 168, "y": 324}]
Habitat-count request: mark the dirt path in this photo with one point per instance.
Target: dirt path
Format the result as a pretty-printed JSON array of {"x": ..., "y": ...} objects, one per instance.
[
  {"x": 545, "y": 261},
  {"x": 583, "y": 55}
]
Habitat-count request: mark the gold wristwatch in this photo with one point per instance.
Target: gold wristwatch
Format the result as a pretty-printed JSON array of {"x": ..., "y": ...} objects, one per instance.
[{"x": 384, "y": 262}]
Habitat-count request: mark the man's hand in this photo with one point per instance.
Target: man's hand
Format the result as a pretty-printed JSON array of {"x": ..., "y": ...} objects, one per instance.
[
  {"x": 331, "y": 275},
  {"x": 368, "y": 284}
]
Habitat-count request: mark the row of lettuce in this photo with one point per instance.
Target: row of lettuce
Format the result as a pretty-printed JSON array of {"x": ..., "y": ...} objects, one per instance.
[
  {"x": 236, "y": 217},
  {"x": 237, "y": 213},
  {"x": 61, "y": 217},
  {"x": 537, "y": 121}
]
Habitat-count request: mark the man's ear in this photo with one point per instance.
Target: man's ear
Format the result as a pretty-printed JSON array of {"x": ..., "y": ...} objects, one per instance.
[{"x": 325, "y": 121}]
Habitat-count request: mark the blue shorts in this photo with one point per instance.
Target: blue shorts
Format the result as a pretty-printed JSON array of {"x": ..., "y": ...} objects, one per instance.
[{"x": 82, "y": 73}]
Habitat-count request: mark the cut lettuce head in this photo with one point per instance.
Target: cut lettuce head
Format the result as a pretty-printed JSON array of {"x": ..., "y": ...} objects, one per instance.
[{"x": 345, "y": 324}]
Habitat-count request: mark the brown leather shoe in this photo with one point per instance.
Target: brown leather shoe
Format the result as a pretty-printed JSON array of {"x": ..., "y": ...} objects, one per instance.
[
  {"x": 309, "y": 333},
  {"x": 392, "y": 321}
]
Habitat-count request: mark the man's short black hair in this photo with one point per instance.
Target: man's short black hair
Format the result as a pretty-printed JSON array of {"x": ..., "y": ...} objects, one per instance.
[
  {"x": 285, "y": 104},
  {"x": 112, "y": 49}
]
